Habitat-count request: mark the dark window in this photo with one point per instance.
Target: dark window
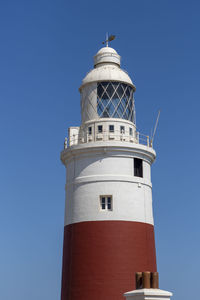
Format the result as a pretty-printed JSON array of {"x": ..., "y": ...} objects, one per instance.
[
  {"x": 131, "y": 131},
  {"x": 106, "y": 202},
  {"x": 100, "y": 129},
  {"x": 111, "y": 128},
  {"x": 122, "y": 129},
  {"x": 138, "y": 170},
  {"x": 109, "y": 204},
  {"x": 89, "y": 130},
  {"x": 103, "y": 203}
]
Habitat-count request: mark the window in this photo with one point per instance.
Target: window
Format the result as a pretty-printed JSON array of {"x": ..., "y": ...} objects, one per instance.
[
  {"x": 106, "y": 202},
  {"x": 115, "y": 100},
  {"x": 131, "y": 131},
  {"x": 100, "y": 128},
  {"x": 89, "y": 130},
  {"x": 122, "y": 129},
  {"x": 111, "y": 128},
  {"x": 138, "y": 170}
]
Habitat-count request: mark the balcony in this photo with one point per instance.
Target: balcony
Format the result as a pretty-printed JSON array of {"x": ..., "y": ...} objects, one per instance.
[{"x": 76, "y": 139}]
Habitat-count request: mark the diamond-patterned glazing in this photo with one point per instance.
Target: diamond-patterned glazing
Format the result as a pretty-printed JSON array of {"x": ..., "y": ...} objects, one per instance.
[{"x": 115, "y": 100}]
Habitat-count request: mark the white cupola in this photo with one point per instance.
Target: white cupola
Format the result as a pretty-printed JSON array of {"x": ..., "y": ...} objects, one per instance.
[
  {"x": 107, "y": 90},
  {"x": 106, "y": 55}
]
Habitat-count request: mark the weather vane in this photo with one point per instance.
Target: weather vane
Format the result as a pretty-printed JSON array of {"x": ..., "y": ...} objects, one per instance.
[{"x": 108, "y": 39}]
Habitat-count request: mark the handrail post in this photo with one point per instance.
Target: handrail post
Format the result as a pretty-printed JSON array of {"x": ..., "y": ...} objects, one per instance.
[{"x": 138, "y": 137}]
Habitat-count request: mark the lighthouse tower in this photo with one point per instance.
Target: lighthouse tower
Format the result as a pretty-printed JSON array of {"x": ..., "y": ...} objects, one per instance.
[{"x": 109, "y": 227}]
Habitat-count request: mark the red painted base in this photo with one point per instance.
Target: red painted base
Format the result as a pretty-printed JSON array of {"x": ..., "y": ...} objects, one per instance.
[{"x": 100, "y": 258}]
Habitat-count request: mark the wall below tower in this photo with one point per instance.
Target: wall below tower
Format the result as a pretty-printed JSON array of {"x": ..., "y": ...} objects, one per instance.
[{"x": 100, "y": 258}]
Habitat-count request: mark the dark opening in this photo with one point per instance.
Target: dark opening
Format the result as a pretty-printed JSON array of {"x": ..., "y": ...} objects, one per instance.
[
  {"x": 109, "y": 203},
  {"x": 122, "y": 129},
  {"x": 103, "y": 203},
  {"x": 100, "y": 129},
  {"x": 138, "y": 170}
]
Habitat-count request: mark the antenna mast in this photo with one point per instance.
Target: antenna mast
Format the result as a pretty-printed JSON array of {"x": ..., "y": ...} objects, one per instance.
[
  {"x": 154, "y": 132},
  {"x": 107, "y": 39}
]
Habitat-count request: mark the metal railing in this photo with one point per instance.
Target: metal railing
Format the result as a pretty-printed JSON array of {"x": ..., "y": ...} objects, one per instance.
[{"x": 76, "y": 139}]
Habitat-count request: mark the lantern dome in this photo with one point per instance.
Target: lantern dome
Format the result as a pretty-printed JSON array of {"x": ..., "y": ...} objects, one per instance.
[{"x": 107, "y": 68}]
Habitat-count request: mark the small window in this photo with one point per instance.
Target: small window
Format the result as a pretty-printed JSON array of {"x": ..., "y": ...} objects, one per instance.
[
  {"x": 106, "y": 202},
  {"x": 122, "y": 129},
  {"x": 111, "y": 128},
  {"x": 109, "y": 203},
  {"x": 103, "y": 203},
  {"x": 138, "y": 169},
  {"x": 130, "y": 131},
  {"x": 100, "y": 128},
  {"x": 89, "y": 130}
]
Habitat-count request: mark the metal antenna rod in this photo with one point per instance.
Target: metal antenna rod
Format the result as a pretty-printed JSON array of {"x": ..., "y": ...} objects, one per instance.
[
  {"x": 154, "y": 132},
  {"x": 107, "y": 39}
]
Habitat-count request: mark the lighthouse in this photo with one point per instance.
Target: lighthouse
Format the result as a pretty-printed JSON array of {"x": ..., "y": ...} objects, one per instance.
[{"x": 109, "y": 226}]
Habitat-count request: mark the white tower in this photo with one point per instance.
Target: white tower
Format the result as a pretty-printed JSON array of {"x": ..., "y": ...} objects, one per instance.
[{"x": 109, "y": 232}]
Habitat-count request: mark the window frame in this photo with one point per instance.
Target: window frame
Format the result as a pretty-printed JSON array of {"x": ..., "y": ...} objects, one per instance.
[
  {"x": 115, "y": 100},
  {"x": 138, "y": 167},
  {"x": 106, "y": 202},
  {"x": 122, "y": 129},
  {"x": 98, "y": 128},
  {"x": 113, "y": 128},
  {"x": 90, "y": 130},
  {"x": 130, "y": 131}
]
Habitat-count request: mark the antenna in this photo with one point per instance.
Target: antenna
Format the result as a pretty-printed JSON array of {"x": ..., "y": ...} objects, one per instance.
[
  {"x": 154, "y": 132},
  {"x": 108, "y": 39}
]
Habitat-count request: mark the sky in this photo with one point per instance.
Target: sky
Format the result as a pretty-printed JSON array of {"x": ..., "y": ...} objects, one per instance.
[{"x": 46, "y": 48}]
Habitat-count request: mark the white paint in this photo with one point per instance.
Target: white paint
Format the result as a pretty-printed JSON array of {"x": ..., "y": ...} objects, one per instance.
[
  {"x": 130, "y": 203},
  {"x": 107, "y": 68},
  {"x": 148, "y": 294},
  {"x": 107, "y": 170},
  {"x": 103, "y": 163},
  {"x": 108, "y": 72},
  {"x": 81, "y": 135},
  {"x": 116, "y": 135},
  {"x": 73, "y": 133},
  {"x": 105, "y": 55},
  {"x": 89, "y": 102}
]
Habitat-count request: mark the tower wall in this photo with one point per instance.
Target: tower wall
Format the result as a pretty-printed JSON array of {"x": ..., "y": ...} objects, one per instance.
[
  {"x": 104, "y": 248},
  {"x": 100, "y": 258},
  {"x": 109, "y": 227}
]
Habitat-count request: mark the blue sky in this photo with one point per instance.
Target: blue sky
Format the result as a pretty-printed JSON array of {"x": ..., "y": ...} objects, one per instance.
[{"x": 46, "y": 49}]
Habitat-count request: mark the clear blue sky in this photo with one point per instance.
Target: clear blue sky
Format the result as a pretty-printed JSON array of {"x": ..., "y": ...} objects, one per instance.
[{"x": 46, "y": 48}]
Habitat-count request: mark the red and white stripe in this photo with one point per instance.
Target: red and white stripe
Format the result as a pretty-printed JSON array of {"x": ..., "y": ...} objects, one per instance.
[{"x": 103, "y": 249}]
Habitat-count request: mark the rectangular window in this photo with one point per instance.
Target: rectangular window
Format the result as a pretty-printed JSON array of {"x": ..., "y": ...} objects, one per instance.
[
  {"x": 138, "y": 169},
  {"x": 109, "y": 203},
  {"x": 122, "y": 129},
  {"x": 106, "y": 202},
  {"x": 100, "y": 128},
  {"x": 111, "y": 128},
  {"x": 130, "y": 131},
  {"x": 89, "y": 130},
  {"x": 103, "y": 203}
]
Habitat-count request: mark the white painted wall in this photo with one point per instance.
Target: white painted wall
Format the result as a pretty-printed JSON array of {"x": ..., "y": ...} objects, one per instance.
[
  {"x": 148, "y": 294},
  {"x": 89, "y": 102},
  {"x": 130, "y": 202},
  {"x": 96, "y": 173}
]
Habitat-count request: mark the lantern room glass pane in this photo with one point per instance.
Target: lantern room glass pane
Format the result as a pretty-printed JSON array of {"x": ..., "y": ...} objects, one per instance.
[{"x": 115, "y": 100}]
